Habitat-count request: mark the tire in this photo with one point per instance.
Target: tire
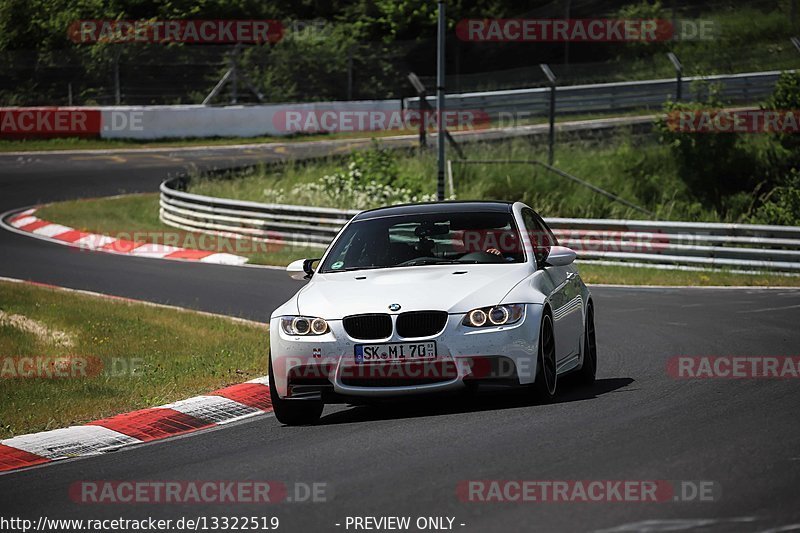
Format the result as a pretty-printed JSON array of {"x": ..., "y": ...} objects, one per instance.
[
  {"x": 546, "y": 381},
  {"x": 293, "y": 412},
  {"x": 588, "y": 370}
]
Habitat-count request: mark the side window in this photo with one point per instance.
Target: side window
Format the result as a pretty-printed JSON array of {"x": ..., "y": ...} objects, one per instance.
[
  {"x": 550, "y": 237},
  {"x": 540, "y": 235}
]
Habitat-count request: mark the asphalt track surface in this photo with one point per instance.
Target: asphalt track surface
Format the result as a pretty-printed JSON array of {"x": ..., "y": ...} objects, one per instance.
[{"x": 406, "y": 459}]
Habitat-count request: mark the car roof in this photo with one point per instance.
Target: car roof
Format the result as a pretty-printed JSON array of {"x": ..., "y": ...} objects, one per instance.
[{"x": 477, "y": 206}]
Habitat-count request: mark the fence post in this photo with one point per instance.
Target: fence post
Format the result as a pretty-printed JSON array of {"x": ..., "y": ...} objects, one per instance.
[
  {"x": 551, "y": 141},
  {"x": 678, "y": 74},
  {"x": 440, "y": 99},
  {"x": 421, "y": 94},
  {"x": 350, "y": 73},
  {"x": 234, "y": 80},
  {"x": 567, "y": 7},
  {"x": 117, "y": 92}
]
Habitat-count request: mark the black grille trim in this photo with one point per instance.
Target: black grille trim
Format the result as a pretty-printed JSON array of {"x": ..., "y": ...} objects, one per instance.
[
  {"x": 369, "y": 326},
  {"x": 415, "y": 324},
  {"x": 399, "y": 374}
]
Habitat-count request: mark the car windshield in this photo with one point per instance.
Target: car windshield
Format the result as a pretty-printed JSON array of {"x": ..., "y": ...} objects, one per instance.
[{"x": 426, "y": 239}]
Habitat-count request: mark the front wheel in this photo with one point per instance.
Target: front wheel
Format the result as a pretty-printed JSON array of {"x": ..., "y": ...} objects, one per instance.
[
  {"x": 293, "y": 412},
  {"x": 544, "y": 386},
  {"x": 588, "y": 370}
]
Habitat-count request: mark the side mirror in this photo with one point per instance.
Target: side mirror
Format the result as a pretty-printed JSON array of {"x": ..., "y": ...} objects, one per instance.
[
  {"x": 301, "y": 269},
  {"x": 560, "y": 256}
]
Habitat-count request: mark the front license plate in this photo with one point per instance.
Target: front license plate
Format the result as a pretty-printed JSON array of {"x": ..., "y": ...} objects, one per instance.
[{"x": 401, "y": 351}]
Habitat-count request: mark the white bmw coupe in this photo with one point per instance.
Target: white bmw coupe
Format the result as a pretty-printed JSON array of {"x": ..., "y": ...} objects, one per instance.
[{"x": 426, "y": 298}]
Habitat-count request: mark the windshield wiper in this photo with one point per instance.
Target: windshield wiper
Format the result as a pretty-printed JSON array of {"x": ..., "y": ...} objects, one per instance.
[
  {"x": 352, "y": 268},
  {"x": 431, "y": 261},
  {"x": 416, "y": 262}
]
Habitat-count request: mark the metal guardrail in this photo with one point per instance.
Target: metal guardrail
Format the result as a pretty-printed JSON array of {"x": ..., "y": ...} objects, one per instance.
[
  {"x": 663, "y": 243},
  {"x": 290, "y": 224},
  {"x": 605, "y": 97}
]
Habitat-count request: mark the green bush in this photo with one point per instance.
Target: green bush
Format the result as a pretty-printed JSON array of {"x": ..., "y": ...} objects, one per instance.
[
  {"x": 786, "y": 97},
  {"x": 371, "y": 179},
  {"x": 713, "y": 165},
  {"x": 644, "y": 10},
  {"x": 782, "y": 204}
]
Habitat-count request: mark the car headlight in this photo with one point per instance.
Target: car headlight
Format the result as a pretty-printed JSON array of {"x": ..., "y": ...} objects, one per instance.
[
  {"x": 304, "y": 325},
  {"x": 498, "y": 315}
]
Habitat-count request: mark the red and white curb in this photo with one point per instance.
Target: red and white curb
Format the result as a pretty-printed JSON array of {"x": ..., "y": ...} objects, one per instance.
[
  {"x": 218, "y": 407},
  {"x": 27, "y": 222}
]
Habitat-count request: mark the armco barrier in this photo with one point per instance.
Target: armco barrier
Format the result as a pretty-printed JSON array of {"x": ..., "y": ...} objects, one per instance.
[
  {"x": 709, "y": 245},
  {"x": 165, "y": 122},
  {"x": 603, "y": 97},
  {"x": 160, "y": 122},
  {"x": 310, "y": 226},
  {"x": 507, "y": 107}
]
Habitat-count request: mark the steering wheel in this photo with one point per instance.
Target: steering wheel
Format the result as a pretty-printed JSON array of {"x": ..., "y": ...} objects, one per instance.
[{"x": 416, "y": 259}]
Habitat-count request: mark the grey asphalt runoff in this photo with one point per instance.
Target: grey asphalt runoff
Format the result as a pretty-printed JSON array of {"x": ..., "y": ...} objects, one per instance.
[{"x": 407, "y": 458}]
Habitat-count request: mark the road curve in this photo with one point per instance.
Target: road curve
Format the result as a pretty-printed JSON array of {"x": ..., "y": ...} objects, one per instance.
[{"x": 637, "y": 423}]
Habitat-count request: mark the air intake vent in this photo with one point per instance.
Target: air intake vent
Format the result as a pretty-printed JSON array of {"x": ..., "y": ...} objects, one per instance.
[
  {"x": 373, "y": 326},
  {"x": 421, "y": 323}
]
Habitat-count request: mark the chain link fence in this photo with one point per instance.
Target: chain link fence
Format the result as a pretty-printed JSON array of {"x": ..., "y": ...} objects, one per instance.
[
  {"x": 319, "y": 60},
  {"x": 158, "y": 75},
  {"x": 145, "y": 74}
]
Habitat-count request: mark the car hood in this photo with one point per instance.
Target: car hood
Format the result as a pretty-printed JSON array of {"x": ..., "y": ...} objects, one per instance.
[{"x": 452, "y": 288}]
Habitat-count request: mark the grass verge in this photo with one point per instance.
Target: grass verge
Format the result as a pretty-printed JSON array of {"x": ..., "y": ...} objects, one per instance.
[
  {"x": 625, "y": 275},
  {"x": 135, "y": 217},
  {"x": 636, "y": 168},
  {"x": 144, "y": 356}
]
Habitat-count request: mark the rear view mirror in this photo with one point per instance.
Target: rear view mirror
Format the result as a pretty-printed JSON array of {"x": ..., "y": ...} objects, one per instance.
[
  {"x": 301, "y": 269},
  {"x": 429, "y": 230},
  {"x": 560, "y": 256}
]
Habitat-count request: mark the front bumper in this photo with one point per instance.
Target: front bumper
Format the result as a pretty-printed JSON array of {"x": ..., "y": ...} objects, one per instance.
[{"x": 327, "y": 362}]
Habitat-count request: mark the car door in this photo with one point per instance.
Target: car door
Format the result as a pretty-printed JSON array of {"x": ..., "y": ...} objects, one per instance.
[{"x": 565, "y": 297}]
